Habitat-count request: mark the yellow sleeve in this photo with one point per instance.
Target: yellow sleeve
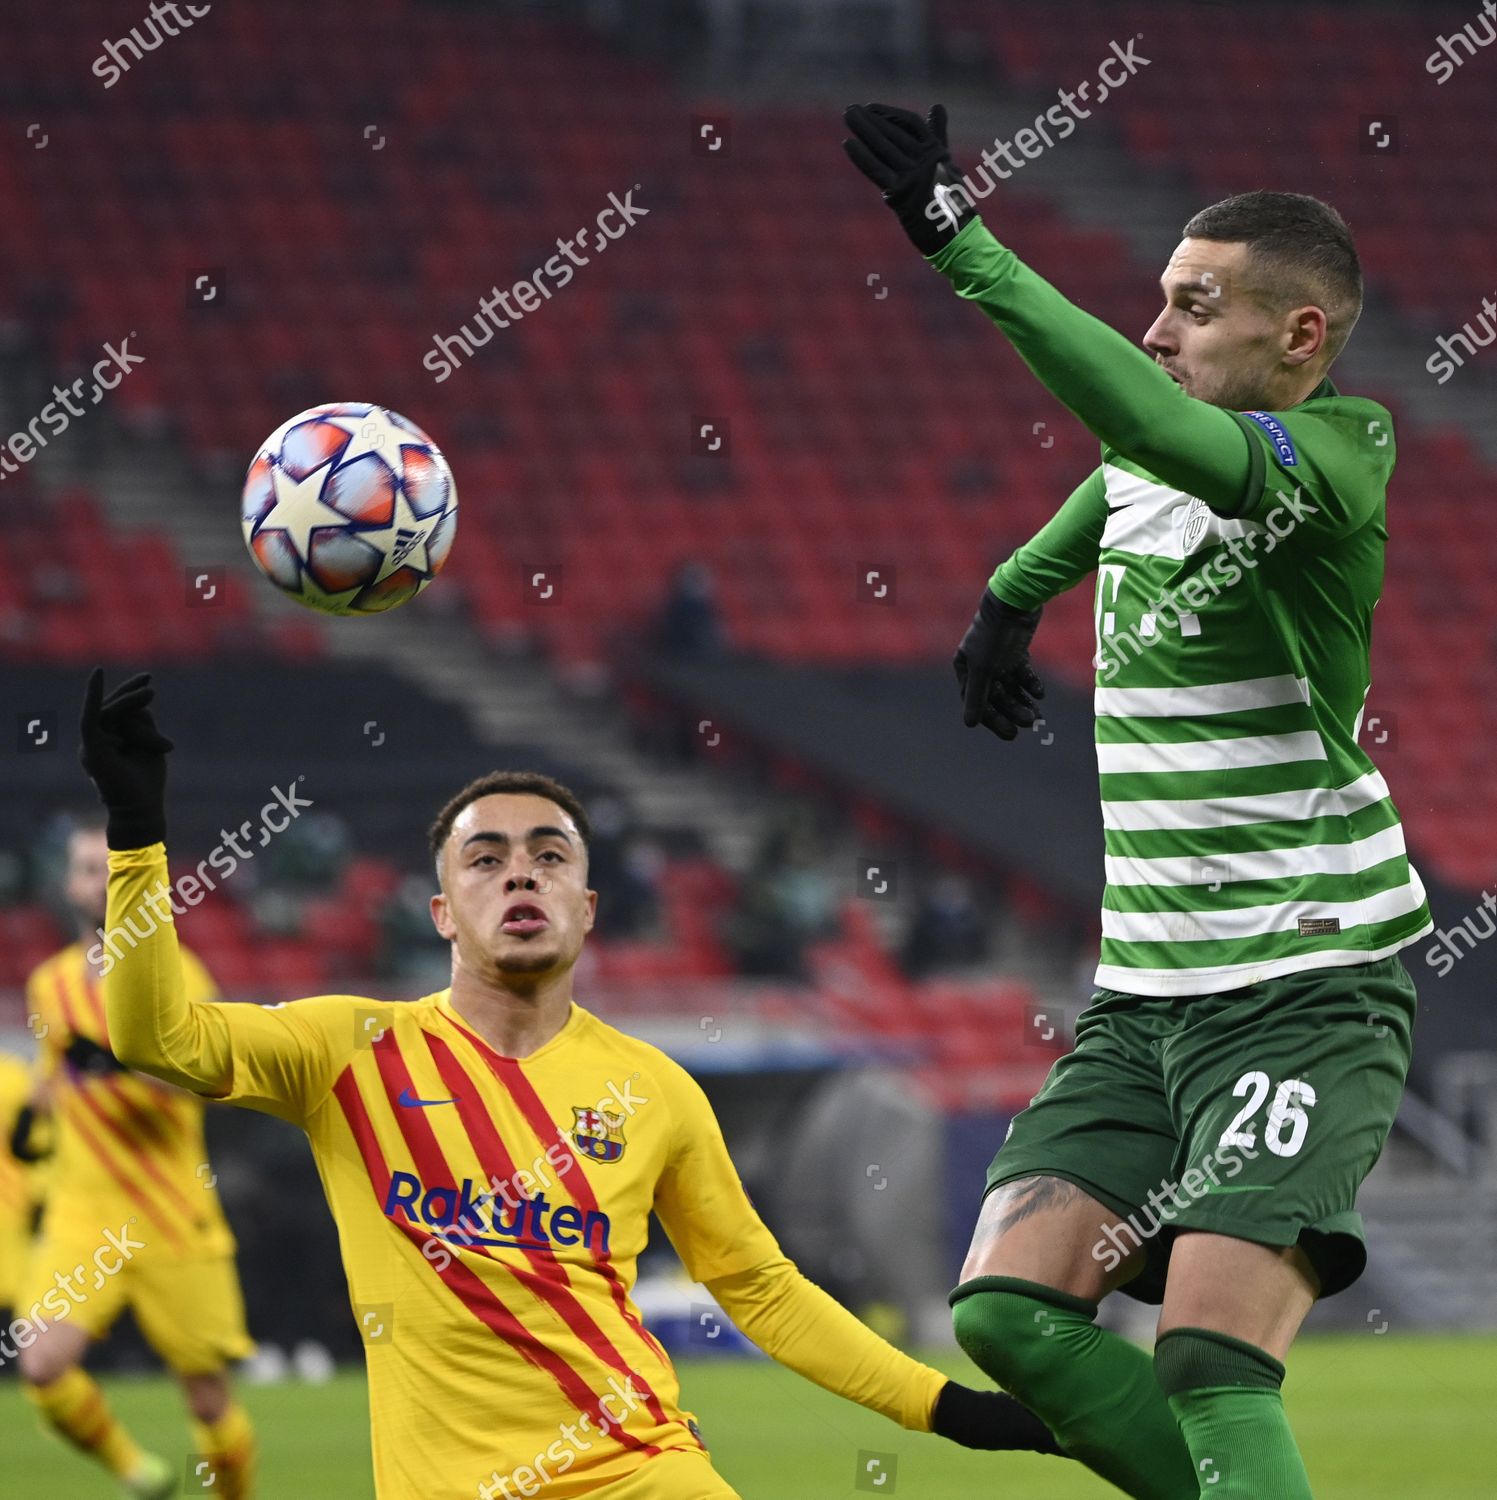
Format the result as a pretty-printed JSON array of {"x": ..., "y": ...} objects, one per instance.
[
  {"x": 198, "y": 981},
  {"x": 807, "y": 1330},
  {"x": 699, "y": 1198},
  {"x": 281, "y": 1059},
  {"x": 726, "y": 1245},
  {"x": 45, "y": 1023}
]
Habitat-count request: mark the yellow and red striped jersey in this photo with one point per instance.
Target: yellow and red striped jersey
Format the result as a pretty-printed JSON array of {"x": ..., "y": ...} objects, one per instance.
[
  {"x": 491, "y": 1212},
  {"x": 125, "y": 1144},
  {"x": 17, "y": 1178},
  {"x": 20, "y": 1182}
]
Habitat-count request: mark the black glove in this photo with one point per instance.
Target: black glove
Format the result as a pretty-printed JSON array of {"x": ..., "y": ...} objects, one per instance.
[
  {"x": 88, "y": 1057},
  {"x": 909, "y": 159},
  {"x": 998, "y": 685},
  {"x": 125, "y": 756},
  {"x": 990, "y": 1420}
]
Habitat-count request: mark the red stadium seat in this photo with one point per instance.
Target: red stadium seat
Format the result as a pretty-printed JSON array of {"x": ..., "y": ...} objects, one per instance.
[{"x": 571, "y": 430}]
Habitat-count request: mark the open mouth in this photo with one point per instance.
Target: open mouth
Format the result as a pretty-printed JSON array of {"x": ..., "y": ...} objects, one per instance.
[{"x": 524, "y": 917}]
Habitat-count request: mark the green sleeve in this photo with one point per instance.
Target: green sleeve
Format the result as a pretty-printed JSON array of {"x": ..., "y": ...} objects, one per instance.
[
  {"x": 1115, "y": 389},
  {"x": 1317, "y": 475},
  {"x": 1061, "y": 553}
]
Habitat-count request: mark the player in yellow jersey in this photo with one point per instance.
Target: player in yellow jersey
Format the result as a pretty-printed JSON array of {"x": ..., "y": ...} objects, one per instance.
[
  {"x": 491, "y": 1154},
  {"x": 132, "y": 1219},
  {"x": 19, "y": 1177}
]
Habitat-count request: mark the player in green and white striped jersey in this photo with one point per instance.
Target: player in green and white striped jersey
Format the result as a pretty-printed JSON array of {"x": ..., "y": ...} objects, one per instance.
[
  {"x": 1241, "y": 1063},
  {"x": 1248, "y": 834}
]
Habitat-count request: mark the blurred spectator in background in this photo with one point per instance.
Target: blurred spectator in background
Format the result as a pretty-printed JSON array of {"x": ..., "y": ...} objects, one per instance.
[
  {"x": 308, "y": 859},
  {"x": 786, "y": 902},
  {"x": 12, "y": 878},
  {"x": 947, "y": 930},
  {"x": 624, "y": 868},
  {"x": 309, "y": 855},
  {"x": 411, "y": 948},
  {"x": 688, "y": 623}
]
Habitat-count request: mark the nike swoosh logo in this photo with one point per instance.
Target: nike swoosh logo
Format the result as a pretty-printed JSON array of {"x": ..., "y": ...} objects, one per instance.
[
  {"x": 410, "y": 1101},
  {"x": 1220, "y": 1188}
]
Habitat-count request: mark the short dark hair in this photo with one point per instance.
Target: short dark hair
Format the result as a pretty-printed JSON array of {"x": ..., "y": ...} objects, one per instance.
[
  {"x": 533, "y": 783},
  {"x": 1303, "y": 248}
]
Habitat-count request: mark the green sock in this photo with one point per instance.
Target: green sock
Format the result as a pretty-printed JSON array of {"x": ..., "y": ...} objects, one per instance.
[
  {"x": 1225, "y": 1394},
  {"x": 1096, "y": 1391}
]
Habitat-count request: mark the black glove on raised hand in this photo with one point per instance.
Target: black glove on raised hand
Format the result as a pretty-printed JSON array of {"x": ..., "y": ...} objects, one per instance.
[
  {"x": 998, "y": 685},
  {"x": 909, "y": 159},
  {"x": 125, "y": 757},
  {"x": 991, "y": 1420}
]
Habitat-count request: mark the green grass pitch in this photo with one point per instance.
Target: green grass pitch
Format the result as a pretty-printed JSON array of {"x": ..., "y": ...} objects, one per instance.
[{"x": 1379, "y": 1418}]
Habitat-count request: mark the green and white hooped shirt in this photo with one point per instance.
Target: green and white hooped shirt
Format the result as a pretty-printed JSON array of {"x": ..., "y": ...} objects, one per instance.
[{"x": 1248, "y": 834}]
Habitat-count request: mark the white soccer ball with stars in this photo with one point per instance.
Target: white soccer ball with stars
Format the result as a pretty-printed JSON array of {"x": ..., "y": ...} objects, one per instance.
[{"x": 349, "y": 509}]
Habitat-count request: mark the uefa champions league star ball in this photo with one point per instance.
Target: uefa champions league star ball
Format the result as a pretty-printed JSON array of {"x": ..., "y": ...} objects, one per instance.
[{"x": 349, "y": 509}]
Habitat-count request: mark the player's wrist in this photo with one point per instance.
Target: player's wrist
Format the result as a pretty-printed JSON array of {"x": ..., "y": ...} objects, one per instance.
[
  {"x": 1001, "y": 612},
  {"x": 935, "y": 212},
  {"x": 945, "y": 255},
  {"x": 991, "y": 1420},
  {"x": 135, "y": 827}
]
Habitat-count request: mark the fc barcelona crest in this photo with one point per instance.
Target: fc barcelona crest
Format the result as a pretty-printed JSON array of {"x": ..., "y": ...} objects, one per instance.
[{"x": 598, "y": 1133}]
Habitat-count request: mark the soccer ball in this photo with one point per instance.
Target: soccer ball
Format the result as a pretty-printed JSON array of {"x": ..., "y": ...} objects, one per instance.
[{"x": 349, "y": 509}]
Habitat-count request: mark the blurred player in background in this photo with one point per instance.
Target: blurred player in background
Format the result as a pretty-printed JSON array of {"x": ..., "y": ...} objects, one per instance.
[
  {"x": 132, "y": 1219},
  {"x": 1251, "y": 1032},
  {"x": 20, "y": 1175},
  {"x": 491, "y": 1154}
]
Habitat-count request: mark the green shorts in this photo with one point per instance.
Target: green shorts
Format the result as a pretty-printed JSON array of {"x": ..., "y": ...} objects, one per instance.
[{"x": 1254, "y": 1113}]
